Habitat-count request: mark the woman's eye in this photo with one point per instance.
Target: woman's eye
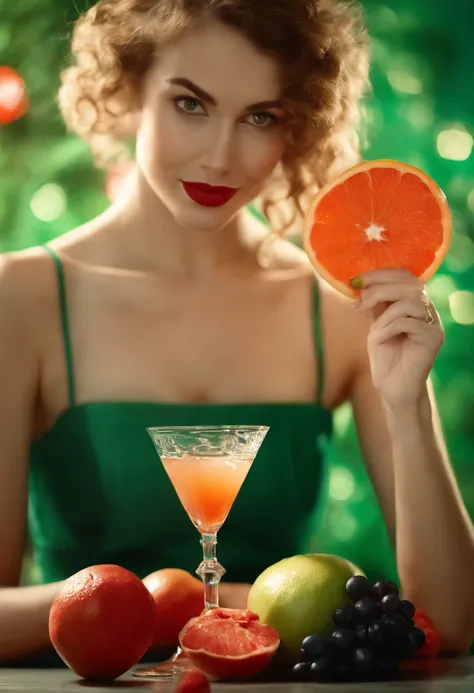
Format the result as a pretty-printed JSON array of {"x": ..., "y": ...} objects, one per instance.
[
  {"x": 261, "y": 119},
  {"x": 189, "y": 106}
]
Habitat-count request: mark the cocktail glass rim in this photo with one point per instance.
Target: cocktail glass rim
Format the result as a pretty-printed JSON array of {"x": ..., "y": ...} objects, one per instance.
[{"x": 184, "y": 429}]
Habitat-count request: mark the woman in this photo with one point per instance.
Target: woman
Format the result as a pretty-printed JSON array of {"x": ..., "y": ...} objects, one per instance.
[{"x": 171, "y": 309}]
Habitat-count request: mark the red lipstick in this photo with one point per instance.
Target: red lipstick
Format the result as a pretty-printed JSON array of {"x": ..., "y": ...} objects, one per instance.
[{"x": 208, "y": 195}]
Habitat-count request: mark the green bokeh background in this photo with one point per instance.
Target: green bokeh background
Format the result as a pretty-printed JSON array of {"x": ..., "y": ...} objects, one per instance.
[{"x": 421, "y": 112}]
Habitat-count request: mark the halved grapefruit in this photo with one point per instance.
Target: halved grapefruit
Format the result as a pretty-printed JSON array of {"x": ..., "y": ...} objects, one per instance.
[
  {"x": 378, "y": 214},
  {"x": 229, "y": 643}
]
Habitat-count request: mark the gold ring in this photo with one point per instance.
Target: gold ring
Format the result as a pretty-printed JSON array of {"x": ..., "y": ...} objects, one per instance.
[
  {"x": 430, "y": 318},
  {"x": 430, "y": 311}
]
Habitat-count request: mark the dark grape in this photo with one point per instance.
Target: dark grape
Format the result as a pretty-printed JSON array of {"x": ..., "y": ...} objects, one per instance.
[
  {"x": 390, "y": 604},
  {"x": 343, "y": 670},
  {"x": 407, "y": 610},
  {"x": 367, "y": 608},
  {"x": 314, "y": 646},
  {"x": 357, "y": 587},
  {"x": 363, "y": 661},
  {"x": 417, "y": 638},
  {"x": 343, "y": 638},
  {"x": 397, "y": 624},
  {"x": 402, "y": 648},
  {"x": 378, "y": 634},
  {"x": 382, "y": 588},
  {"x": 345, "y": 616},
  {"x": 361, "y": 635},
  {"x": 302, "y": 671},
  {"x": 386, "y": 667},
  {"x": 320, "y": 669}
]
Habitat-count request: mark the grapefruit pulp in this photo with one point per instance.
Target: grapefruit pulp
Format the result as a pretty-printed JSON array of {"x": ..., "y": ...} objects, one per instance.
[
  {"x": 377, "y": 215},
  {"x": 229, "y": 643}
]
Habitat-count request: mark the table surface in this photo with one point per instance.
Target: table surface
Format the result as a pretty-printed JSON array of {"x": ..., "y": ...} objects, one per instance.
[{"x": 428, "y": 676}]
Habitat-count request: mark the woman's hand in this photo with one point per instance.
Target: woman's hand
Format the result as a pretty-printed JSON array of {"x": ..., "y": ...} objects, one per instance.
[{"x": 405, "y": 336}]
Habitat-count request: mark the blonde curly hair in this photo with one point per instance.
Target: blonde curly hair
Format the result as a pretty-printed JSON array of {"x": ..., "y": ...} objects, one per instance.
[{"x": 321, "y": 44}]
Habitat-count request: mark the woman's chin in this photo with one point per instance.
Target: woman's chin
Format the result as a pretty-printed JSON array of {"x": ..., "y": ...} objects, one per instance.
[{"x": 204, "y": 219}]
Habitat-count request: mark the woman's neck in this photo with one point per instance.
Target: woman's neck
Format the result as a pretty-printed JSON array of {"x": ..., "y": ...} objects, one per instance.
[{"x": 149, "y": 236}]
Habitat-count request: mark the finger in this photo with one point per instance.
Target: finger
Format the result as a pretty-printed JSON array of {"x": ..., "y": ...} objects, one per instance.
[
  {"x": 409, "y": 326},
  {"x": 384, "y": 276},
  {"x": 406, "y": 308},
  {"x": 389, "y": 293}
]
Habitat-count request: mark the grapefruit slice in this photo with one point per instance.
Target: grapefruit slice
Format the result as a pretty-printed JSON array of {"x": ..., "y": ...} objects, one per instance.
[
  {"x": 229, "y": 643},
  {"x": 378, "y": 214}
]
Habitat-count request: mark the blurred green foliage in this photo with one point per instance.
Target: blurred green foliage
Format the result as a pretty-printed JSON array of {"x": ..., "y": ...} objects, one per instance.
[{"x": 421, "y": 112}]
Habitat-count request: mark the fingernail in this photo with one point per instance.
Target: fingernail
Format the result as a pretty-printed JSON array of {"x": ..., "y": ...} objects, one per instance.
[
  {"x": 358, "y": 305},
  {"x": 357, "y": 282}
]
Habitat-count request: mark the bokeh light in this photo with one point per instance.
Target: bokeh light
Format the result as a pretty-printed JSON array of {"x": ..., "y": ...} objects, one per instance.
[
  {"x": 455, "y": 144},
  {"x": 470, "y": 200},
  {"x": 341, "y": 484},
  {"x": 49, "y": 202},
  {"x": 461, "y": 304},
  {"x": 343, "y": 524}
]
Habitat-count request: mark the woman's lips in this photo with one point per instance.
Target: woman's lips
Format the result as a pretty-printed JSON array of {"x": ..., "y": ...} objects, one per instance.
[{"x": 208, "y": 195}]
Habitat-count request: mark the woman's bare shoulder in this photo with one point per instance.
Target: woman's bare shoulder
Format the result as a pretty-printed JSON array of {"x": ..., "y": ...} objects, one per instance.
[
  {"x": 27, "y": 294},
  {"x": 24, "y": 273}
]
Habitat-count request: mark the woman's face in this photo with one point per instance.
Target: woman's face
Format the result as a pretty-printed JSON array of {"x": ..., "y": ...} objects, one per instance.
[{"x": 211, "y": 116}]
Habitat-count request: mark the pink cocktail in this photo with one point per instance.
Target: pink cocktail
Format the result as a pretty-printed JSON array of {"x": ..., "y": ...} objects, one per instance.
[{"x": 207, "y": 487}]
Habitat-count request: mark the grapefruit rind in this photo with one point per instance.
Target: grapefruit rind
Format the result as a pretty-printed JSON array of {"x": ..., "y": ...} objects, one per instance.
[
  {"x": 224, "y": 665},
  {"x": 365, "y": 166}
]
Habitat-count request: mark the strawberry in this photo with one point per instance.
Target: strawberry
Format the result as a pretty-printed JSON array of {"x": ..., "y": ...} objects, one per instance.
[
  {"x": 422, "y": 620},
  {"x": 432, "y": 646}
]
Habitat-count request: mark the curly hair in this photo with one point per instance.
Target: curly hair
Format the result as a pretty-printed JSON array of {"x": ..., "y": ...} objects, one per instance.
[{"x": 321, "y": 44}]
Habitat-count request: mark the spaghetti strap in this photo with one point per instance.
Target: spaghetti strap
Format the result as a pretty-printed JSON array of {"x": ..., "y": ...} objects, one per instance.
[
  {"x": 318, "y": 339},
  {"x": 64, "y": 323}
]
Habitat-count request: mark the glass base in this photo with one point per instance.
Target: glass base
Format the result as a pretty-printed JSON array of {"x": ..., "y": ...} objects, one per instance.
[{"x": 169, "y": 670}]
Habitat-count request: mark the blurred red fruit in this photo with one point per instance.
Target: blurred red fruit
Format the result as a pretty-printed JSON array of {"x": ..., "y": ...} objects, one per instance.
[
  {"x": 193, "y": 682},
  {"x": 178, "y": 597}
]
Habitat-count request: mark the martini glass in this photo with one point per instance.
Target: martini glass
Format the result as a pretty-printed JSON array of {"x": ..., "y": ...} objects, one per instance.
[{"x": 207, "y": 466}]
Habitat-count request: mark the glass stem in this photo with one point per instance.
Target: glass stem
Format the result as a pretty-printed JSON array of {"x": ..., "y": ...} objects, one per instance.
[{"x": 210, "y": 571}]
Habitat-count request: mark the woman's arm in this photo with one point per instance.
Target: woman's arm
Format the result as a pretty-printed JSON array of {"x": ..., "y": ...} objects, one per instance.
[
  {"x": 23, "y": 610},
  {"x": 24, "y": 615},
  {"x": 407, "y": 461},
  {"x": 406, "y": 457},
  {"x": 233, "y": 595}
]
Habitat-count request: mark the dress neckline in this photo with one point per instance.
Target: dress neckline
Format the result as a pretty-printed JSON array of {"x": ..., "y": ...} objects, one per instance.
[{"x": 150, "y": 404}]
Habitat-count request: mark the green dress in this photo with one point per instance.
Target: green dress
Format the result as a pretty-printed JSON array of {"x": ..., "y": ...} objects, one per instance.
[{"x": 99, "y": 494}]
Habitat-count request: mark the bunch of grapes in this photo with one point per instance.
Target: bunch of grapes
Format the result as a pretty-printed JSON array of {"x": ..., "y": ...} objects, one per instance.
[{"x": 371, "y": 636}]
